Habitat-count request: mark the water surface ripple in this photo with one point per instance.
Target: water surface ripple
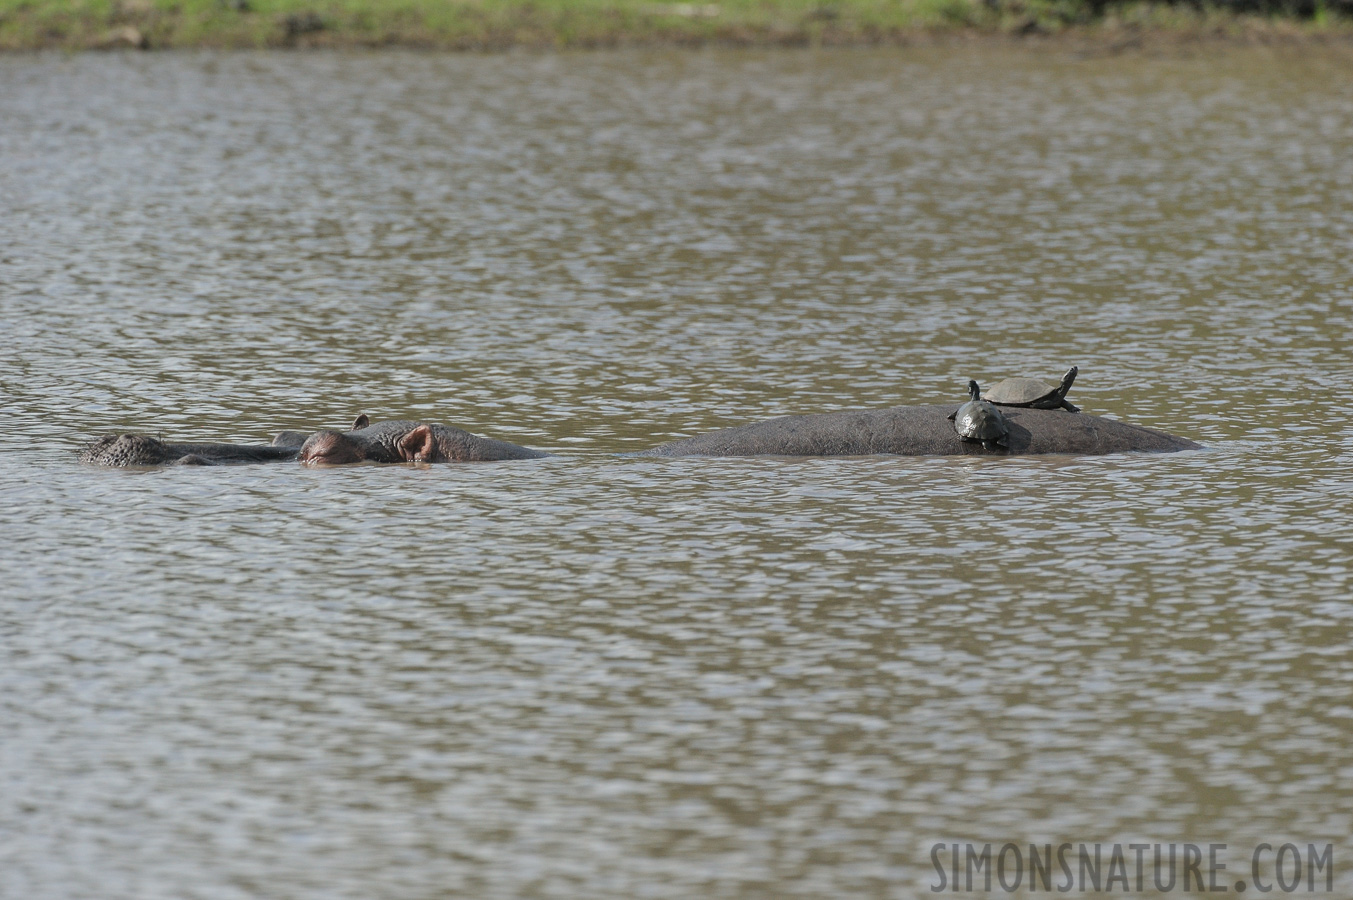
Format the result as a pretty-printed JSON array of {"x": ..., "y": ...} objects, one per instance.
[{"x": 597, "y": 676}]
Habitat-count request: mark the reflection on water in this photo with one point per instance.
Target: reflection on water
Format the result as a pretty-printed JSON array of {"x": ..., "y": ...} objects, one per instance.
[{"x": 593, "y": 676}]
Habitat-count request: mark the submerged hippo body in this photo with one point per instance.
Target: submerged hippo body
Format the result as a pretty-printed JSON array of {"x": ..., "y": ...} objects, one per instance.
[
  {"x": 922, "y": 431},
  {"x": 122, "y": 450},
  {"x": 401, "y": 440}
]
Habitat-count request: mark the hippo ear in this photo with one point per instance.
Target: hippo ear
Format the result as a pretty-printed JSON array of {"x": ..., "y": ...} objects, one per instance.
[
  {"x": 360, "y": 422},
  {"x": 418, "y": 445}
]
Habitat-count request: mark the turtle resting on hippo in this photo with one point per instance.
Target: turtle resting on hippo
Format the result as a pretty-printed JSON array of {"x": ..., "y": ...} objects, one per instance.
[
  {"x": 1034, "y": 392},
  {"x": 980, "y": 421}
]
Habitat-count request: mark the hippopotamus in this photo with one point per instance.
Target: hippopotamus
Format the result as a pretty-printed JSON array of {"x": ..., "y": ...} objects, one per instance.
[
  {"x": 402, "y": 440},
  {"x": 123, "y": 450},
  {"x": 923, "y": 431}
]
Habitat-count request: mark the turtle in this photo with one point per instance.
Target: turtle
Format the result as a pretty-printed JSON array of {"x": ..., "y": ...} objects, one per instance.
[
  {"x": 1033, "y": 392},
  {"x": 980, "y": 422}
]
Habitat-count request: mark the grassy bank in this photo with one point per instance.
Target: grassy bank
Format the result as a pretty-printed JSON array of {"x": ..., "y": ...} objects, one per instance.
[{"x": 500, "y": 24}]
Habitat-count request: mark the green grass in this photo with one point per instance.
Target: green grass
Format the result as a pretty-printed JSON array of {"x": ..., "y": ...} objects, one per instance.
[{"x": 498, "y": 24}]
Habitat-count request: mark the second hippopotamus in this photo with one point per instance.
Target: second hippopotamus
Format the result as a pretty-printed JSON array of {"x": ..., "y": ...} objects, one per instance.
[{"x": 402, "y": 440}]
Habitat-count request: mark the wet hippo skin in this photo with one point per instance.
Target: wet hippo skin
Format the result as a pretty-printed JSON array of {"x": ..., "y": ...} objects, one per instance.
[{"x": 922, "y": 431}]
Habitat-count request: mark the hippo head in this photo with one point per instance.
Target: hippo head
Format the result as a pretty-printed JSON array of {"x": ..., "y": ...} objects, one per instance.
[
  {"x": 330, "y": 448},
  {"x": 125, "y": 450}
]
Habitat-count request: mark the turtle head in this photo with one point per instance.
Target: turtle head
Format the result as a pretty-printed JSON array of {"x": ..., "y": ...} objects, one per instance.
[
  {"x": 1068, "y": 379},
  {"x": 974, "y": 392}
]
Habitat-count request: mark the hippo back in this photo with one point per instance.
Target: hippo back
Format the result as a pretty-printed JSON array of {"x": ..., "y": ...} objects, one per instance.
[{"x": 922, "y": 431}]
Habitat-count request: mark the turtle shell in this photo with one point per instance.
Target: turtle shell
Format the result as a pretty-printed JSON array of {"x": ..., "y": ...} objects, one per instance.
[
  {"x": 1032, "y": 392},
  {"x": 978, "y": 420}
]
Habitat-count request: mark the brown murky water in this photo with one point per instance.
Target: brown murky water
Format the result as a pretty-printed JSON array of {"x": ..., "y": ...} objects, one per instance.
[{"x": 597, "y": 676}]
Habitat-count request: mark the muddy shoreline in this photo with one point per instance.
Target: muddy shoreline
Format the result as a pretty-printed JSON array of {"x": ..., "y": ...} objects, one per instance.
[{"x": 140, "y": 25}]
